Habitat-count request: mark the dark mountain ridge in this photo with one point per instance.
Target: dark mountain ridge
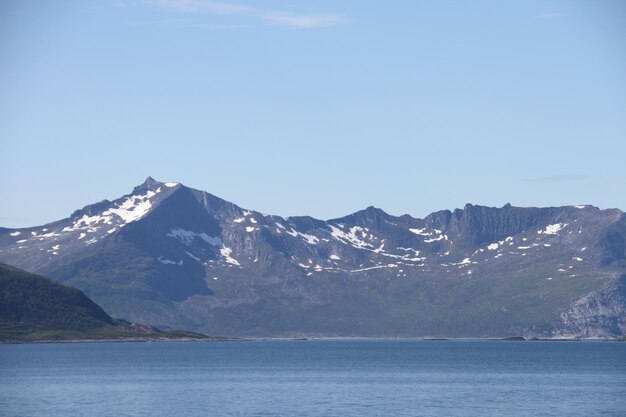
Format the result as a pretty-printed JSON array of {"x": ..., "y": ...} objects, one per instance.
[
  {"x": 33, "y": 299},
  {"x": 34, "y": 308},
  {"x": 174, "y": 256}
]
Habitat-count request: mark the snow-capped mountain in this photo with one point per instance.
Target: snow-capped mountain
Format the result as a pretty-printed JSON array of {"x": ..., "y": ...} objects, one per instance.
[{"x": 173, "y": 256}]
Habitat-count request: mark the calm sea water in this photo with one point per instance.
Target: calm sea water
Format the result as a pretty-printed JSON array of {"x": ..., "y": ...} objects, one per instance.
[{"x": 314, "y": 378}]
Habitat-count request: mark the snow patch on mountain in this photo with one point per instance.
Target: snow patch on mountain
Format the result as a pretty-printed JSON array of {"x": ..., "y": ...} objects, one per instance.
[
  {"x": 134, "y": 207},
  {"x": 435, "y": 239},
  {"x": 192, "y": 256},
  {"x": 48, "y": 235},
  {"x": 187, "y": 237},
  {"x": 131, "y": 209},
  {"x": 420, "y": 232},
  {"x": 86, "y": 222},
  {"x": 305, "y": 266},
  {"x": 310, "y": 239},
  {"x": 351, "y": 236},
  {"x": 405, "y": 257},
  {"x": 433, "y": 236},
  {"x": 553, "y": 229},
  {"x": 369, "y": 269},
  {"x": 465, "y": 262},
  {"x": 225, "y": 252},
  {"x": 169, "y": 262},
  {"x": 532, "y": 245}
]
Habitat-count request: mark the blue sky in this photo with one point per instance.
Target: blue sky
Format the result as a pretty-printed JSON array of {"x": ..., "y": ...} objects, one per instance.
[{"x": 318, "y": 108}]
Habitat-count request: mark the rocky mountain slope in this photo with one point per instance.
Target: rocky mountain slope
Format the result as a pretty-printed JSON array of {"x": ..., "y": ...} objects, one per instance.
[{"x": 173, "y": 256}]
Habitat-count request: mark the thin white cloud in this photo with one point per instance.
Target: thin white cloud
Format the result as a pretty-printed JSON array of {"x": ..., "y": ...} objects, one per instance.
[
  {"x": 204, "y": 6},
  {"x": 185, "y": 23},
  {"x": 302, "y": 22},
  {"x": 160, "y": 22},
  {"x": 217, "y": 26},
  {"x": 275, "y": 17}
]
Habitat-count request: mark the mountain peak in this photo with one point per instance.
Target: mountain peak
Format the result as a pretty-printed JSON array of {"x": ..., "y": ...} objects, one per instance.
[
  {"x": 375, "y": 211},
  {"x": 368, "y": 214},
  {"x": 150, "y": 184}
]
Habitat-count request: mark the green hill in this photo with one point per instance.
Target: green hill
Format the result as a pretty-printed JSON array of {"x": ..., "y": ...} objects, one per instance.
[{"x": 34, "y": 308}]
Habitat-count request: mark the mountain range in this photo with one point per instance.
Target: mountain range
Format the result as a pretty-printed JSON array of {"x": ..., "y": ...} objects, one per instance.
[{"x": 176, "y": 257}]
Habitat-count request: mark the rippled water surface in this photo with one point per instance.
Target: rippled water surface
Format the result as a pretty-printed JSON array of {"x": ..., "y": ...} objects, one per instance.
[{"x": 314, "y": 378}]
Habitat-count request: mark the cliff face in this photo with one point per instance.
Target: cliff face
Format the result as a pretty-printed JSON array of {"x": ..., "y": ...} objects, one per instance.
[{"x": 600, "y": 313}]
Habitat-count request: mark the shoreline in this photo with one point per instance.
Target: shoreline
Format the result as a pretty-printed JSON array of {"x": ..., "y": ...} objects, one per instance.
[
  {"x": 315, "y": 338},
  {"x": 129, "y": 340}
]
